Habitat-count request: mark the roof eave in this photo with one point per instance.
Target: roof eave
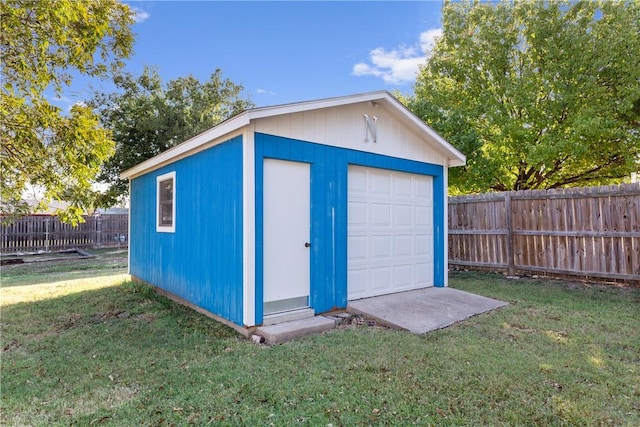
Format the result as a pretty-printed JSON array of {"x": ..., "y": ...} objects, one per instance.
[
  {"x": 214, "y": 133},
  {"x": 455, "y": 157}
]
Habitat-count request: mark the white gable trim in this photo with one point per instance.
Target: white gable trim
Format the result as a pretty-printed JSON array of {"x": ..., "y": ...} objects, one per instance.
[
  {"x": 193, "y": 144},
  {"x": 455, "y": 157}
]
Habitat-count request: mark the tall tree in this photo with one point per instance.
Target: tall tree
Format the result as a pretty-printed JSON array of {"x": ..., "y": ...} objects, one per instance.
[
  {"x": 536, "y": 94},
  {"x": 41, "y": 44},
  {"x": 147, "y": 117}
]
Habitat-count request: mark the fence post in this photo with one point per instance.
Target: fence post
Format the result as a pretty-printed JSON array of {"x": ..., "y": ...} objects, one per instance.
[
  {"x": 98, "y": 231},
  {"x": 509, "y": 225},
  {"x": 46, "y": 234}
]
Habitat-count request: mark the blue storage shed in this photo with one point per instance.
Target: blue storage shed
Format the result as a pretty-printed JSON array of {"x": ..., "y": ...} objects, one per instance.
[{"x": 294, "y": 208}]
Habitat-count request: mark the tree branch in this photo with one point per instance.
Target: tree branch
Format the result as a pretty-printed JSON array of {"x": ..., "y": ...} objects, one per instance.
[{"x": 584, "y": 176}]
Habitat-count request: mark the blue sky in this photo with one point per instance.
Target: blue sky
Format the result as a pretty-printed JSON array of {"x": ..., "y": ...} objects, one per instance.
[{"x": 281, "y": 51}]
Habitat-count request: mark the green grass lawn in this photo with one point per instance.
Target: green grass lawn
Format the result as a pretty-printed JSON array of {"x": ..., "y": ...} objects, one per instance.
[
  {"x": 107, "y": 262},
  {"x": 98, "y": 350}
]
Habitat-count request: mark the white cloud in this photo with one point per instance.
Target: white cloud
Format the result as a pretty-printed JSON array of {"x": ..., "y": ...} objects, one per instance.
[
  {"x": 264, "y": 92},
  {"x": 63, "y": 101},
  {"x": 428, "y": 40},
  {"x": 139, "y": 14},
  {"x": 66, "y": 103},
  {"x": 398, "y": 65}
]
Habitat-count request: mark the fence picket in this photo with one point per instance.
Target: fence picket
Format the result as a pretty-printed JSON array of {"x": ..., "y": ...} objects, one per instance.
[
  {"x": 46, "y": 233},
  {"x": 589, "y": 232}
]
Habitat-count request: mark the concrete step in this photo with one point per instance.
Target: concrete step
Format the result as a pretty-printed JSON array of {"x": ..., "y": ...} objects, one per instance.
[
  {"x": 287, "y": 331},
  {"x": 287, "y": 316}
]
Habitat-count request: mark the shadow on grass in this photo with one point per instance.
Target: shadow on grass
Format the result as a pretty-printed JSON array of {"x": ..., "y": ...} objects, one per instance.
[
  {"x": 124, "y": 302},
  {"x": 72, "y": 355},
  {"x": 107, "y": 262},
  {"x": 60, "y": 275},
  {"x": 124, "y": 355}
]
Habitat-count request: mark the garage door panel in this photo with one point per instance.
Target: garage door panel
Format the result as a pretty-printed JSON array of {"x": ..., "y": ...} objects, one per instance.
[
  {"x": 422, "y": 244},
  {"x": 402, "y": 276},
  {"x": 403, "y": 186},
  {"x": 380, "y": 215},
  {"x": 403, "y": 215},
  {"x": 422, "y": 189},
  {"x": 403, "y": 246},
  {"x": 381, "y": 247},
  {"x": 380, "y": 278},
  {"x": 357, "y": 181},
  {"x": 358, "y": 280},
  {"x": 422, "y": 272},
  {"x": 357, "y": 213},
  {"x": 358, "y": 247},
  {"x": 423, "y": 217},
  {"x": 390, "y": 232},
  {"x": 380, "y": 183}
]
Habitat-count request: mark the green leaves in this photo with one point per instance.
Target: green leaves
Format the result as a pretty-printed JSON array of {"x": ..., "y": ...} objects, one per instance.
[
  {"x": 41, "y": 44},
  {"x": 536, "y": 94},
  {"x": 147, "y": 117}
]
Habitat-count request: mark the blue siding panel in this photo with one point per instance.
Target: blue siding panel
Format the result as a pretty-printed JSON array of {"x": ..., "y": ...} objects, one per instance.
[
  {"x": 329, "y": 172},
  {"x": 202, "y": 261}
]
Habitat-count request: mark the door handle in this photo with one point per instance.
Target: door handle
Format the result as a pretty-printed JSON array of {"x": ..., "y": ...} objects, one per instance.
[{"x": 307, "y": 245}]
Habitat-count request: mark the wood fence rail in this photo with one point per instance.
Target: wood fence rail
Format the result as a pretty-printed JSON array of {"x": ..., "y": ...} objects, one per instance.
[
  {"x": 46, "y": 233},
  {"x": 591, "y": 232}
]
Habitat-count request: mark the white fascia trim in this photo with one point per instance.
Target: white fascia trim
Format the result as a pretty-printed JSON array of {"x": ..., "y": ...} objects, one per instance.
[
  {"x": 300, "y": 107},
  {"x": 456, "y": 158},
  {"x": 209, "y": 135},
  {"x": 244, "y": 119}
]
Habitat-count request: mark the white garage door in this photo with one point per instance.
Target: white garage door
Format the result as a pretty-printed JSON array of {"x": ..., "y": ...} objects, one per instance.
[{"x": 390, "y": 232}]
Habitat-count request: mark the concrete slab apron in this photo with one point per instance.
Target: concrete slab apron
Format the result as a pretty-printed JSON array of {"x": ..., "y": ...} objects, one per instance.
[{"x": 424, "y": 310}]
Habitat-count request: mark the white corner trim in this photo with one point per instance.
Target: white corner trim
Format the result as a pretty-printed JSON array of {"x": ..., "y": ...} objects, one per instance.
[
  {"x": 248, "y": 229},
  {"x": 172, "y": 227}
]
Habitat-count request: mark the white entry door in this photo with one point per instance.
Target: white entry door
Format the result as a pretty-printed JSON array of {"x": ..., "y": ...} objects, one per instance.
[
  {"x": 286, "y": 235},
  {"x": 390, "y": 232}
]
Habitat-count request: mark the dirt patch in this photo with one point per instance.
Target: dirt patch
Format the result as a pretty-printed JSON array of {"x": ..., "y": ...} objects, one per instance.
[
  {"x": 70, "y": 321},
  {"x": 64, "y": 255},
  {"x": 109, "y": 315},
  {"x": 11, "y": 345},
  {"x": 351, "y": 321}
]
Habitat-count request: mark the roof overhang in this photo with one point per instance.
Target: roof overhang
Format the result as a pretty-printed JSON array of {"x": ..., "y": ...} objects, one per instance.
[{"x": 234, "y": 124}]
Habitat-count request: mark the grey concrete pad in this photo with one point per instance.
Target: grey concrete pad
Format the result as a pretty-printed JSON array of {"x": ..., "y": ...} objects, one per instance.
[
  {"x": 424, "y": 310},
  {"x": 287, "y": 331}
]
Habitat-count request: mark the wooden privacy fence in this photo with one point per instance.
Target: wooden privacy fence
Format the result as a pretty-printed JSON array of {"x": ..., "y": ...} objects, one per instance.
[
  {"x": 591, "y": 232},
  {"x": 47, "y": 233}
]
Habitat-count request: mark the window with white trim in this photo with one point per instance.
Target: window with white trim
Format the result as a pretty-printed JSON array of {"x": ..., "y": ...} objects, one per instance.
[{"x": 166, "y": 203}]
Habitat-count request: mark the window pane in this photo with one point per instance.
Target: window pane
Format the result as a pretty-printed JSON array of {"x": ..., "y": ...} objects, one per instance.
[
  {"x": 166, "y": 214},
  {"x": 166, "y": 190}
]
